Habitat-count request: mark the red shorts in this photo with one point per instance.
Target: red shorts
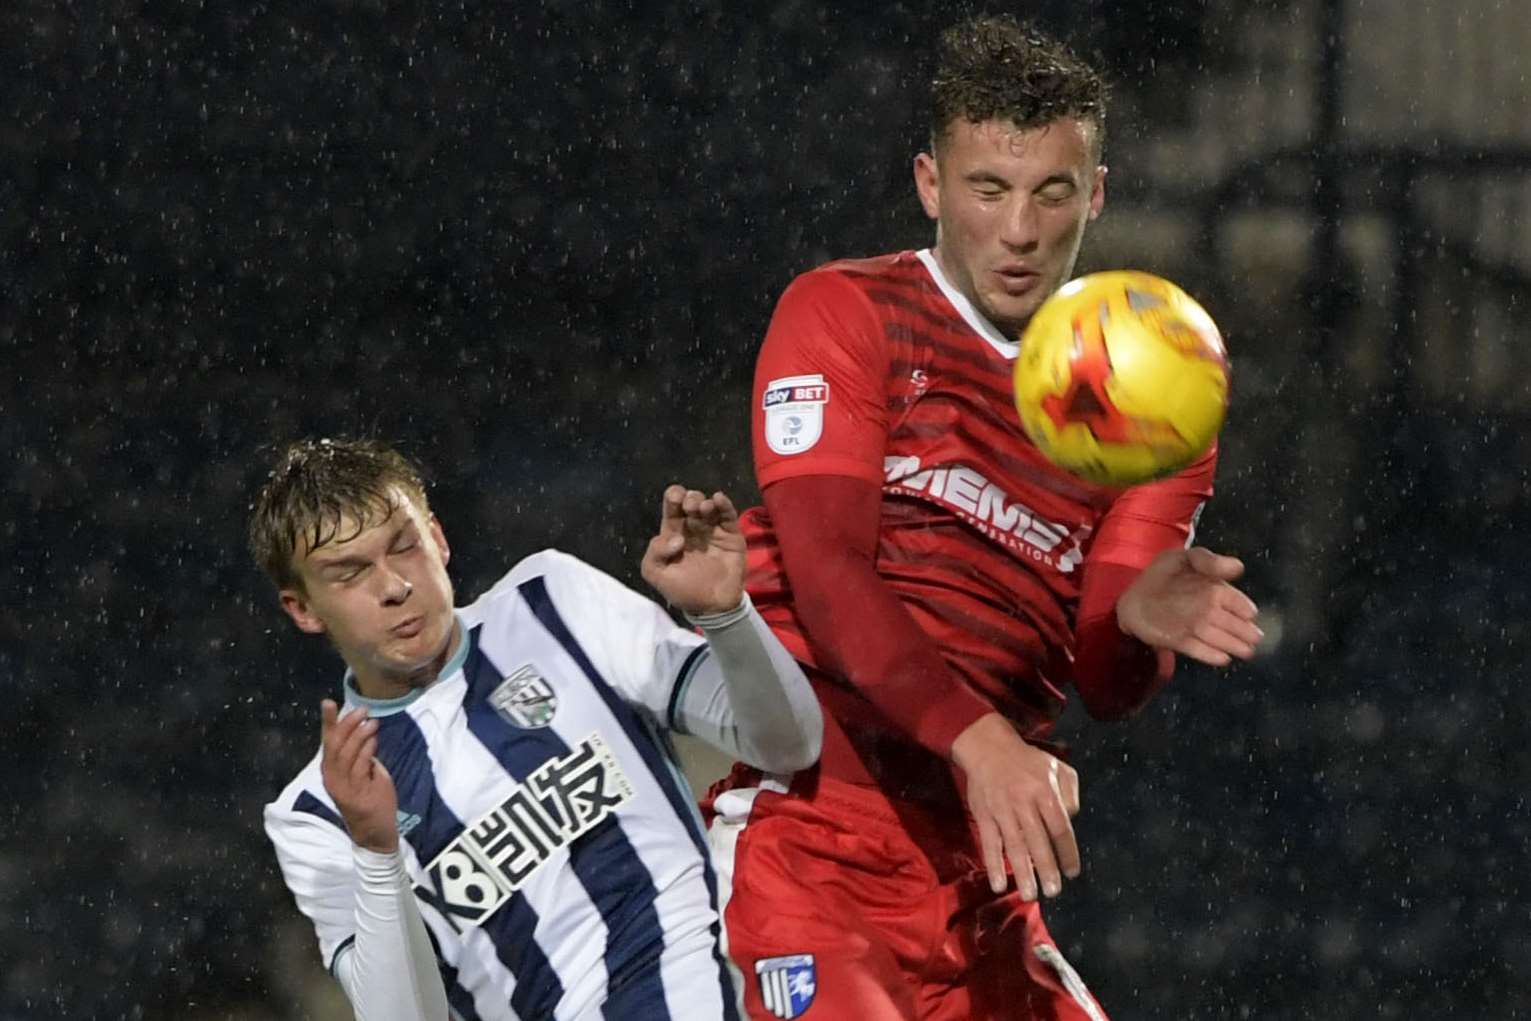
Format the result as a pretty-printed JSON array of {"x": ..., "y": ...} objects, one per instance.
[{"x": 841, "y": 904}]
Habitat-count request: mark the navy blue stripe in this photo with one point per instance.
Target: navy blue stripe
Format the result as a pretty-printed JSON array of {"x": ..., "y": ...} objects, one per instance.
[
  {"x": 402, "y": 748},
  {"x": 306, "y": 802},
  {"x": 535, "y": 592},
  {"x": 335, "y": 957},
  {"x": 512, "y": 928},
  {"x": 682, "y": 679},
  {"x": 604, "y": 860},
  {"x": 458, "y": 998}
]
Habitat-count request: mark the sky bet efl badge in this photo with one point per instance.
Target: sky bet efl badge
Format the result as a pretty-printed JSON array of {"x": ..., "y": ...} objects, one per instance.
[
  {"x": 794, "y": 412},
  {"x": 787, "y": 984}
]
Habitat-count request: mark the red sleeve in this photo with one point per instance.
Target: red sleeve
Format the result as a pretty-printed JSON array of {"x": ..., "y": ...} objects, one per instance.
[
  {"x": 856, "y": 625},
  {"x": 1146, "y": 520},
  {"x": 820, "y": 384},
  {"x": 1114, "y": 673}
]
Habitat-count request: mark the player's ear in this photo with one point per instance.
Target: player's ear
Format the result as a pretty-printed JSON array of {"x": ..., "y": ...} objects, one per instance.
[
  {"x": 1098, "y": 191},
  {"x": 927, "y": 182},
  {"x": 296, "y": 606},
  {"x": 440, "y": 539}
]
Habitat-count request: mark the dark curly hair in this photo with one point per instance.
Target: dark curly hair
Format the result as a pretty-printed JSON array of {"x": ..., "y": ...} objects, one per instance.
[
  {"x": 314, "y": 487},
  {"x": 992, "y": 68}
]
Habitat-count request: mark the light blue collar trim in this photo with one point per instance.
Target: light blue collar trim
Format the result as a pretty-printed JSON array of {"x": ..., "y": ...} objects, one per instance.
[{"x": 389, "y": 706}]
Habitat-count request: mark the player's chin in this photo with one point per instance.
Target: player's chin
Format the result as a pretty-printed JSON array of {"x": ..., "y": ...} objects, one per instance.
[
  {"x": 1010, "y": 313},
  {"x": 416, "y": 649}
]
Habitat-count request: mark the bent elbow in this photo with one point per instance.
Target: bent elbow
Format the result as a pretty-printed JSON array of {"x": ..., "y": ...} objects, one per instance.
[
  {"x": 793, "y": 756},
  {"x": 1123, "y": 688},
  {"x": 795, "y": 761}
]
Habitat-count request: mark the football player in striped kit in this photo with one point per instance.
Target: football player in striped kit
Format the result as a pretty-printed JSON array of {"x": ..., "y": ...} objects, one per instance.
[{"x": 494, "y": 827}]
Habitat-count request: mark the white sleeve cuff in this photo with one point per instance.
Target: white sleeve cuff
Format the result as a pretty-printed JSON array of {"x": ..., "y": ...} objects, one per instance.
[{"x": 717, "y": 621}]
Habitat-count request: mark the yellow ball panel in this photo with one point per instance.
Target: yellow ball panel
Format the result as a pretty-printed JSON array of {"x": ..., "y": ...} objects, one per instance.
[{"x": 1121, "y": 377}]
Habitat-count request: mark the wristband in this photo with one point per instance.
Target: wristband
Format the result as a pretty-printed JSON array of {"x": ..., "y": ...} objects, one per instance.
[{"x": 716, "y": 621}]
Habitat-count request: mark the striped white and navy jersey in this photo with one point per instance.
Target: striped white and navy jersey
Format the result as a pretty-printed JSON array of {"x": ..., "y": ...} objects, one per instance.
[{"x": 556, "y": 854}]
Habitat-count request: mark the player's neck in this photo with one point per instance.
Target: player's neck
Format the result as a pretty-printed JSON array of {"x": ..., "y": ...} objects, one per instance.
[{"x": 382, "y": 685}]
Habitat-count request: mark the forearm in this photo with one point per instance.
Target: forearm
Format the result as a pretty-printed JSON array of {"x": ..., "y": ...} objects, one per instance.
[
  {"x": 854, "y": 621},
  {"x": 1114, "y": 673},
  {"x": 390, "y": 972},
  {"x": 858, "y": 626},
  {"x": 750, "y": 698}
]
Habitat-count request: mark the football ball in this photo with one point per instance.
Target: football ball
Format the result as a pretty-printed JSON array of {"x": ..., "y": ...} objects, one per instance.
[{"x": 1121, "y": 377}]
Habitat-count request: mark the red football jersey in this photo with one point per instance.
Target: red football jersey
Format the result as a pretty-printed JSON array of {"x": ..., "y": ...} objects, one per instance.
[{"x": 880, "y": 370}]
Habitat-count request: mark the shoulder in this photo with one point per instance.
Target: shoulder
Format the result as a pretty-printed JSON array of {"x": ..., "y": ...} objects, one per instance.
[
  {"x": 546, "y": 563},
  {"x": 839, "y": 312},
  {"x": 853, "y": 277},
  {"x": 560, "y": 575},
  {"x": 302, "y": 805}
]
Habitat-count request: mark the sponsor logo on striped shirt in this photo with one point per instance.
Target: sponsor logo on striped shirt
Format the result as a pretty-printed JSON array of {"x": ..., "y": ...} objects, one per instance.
[
  {"x": 498, "y": 852},
  {"x": 991, "y": 510}
]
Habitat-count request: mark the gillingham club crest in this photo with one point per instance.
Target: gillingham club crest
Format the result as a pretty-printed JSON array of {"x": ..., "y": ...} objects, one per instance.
[
  {"x": 787, "y": 984},
  {"x": 525, "y": 699}
]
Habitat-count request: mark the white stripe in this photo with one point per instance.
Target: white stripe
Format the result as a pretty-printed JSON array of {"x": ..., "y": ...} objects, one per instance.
[
  {"x": 1190, "y": 536},
  {"x": 781, "y": 1002},
  {"x": 690, "y": 975},
  {"x": 489, "y": 983},
  {"x": 1053, "y": 958},
  {"x": 570, "y": 931},
  {"x": 985, "y": 329}
]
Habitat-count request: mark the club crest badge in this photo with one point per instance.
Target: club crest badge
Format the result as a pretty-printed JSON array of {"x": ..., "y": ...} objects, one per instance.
[
  {"x": 525, "y": 699},
  {"x": 787, "y": 984},
  {"x": 794, "y": 412}
]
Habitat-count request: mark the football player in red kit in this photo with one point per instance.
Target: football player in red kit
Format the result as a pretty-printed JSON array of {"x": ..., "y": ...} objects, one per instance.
[{"x": 945, "y": 585}]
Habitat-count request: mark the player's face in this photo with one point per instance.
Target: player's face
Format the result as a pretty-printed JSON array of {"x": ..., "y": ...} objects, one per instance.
[
  {"x": 383, "y": 597},
  {"x": 1010, "y": 208}
]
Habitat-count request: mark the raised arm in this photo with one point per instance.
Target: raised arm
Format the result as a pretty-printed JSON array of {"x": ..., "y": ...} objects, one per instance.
[
  {"x": 1148, "y": 595},
  {"x": 743, "y": 692}
]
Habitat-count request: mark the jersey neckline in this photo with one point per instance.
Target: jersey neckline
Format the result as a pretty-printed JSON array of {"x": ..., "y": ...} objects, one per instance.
[
  {"x": 389, "y": 706},
  {"x": 988, "y": 331}
]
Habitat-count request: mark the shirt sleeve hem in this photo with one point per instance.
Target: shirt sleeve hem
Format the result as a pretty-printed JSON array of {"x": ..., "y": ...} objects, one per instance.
[{"x": 941, "y": 724}]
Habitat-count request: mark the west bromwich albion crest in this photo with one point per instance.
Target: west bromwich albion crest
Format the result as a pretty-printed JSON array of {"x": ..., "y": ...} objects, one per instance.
[
  {"x": 787, "y": 984},
  {"x": 525, "y": 699}
]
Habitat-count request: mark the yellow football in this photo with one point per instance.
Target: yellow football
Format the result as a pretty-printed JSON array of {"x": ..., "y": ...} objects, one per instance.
[{"x": 1121, "y": 377}]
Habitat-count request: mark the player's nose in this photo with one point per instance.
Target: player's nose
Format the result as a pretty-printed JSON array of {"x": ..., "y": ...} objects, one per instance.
[
  {"x": 1021, "y": 229},
  {"x": 396, "y": 588}
]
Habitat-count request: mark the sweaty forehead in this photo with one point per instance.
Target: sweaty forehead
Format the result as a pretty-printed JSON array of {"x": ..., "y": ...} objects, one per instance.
[
  {"x": 341, "y": 535},
  {"x": 1066, "y": 141}
]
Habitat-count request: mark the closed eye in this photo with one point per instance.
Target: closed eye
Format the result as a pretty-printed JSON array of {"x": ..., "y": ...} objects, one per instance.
[
  {"x": 1055, "y": 192},
  {"x": 987, "y": 186}
]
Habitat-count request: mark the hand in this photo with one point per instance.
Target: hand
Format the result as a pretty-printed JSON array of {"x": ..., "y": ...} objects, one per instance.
[
  {"x": 1183, "y": 602},
  {"x": 1021, "y": 798},
  {"x": 697, "y": 559},
  {"x": 361, "y": 787}
]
